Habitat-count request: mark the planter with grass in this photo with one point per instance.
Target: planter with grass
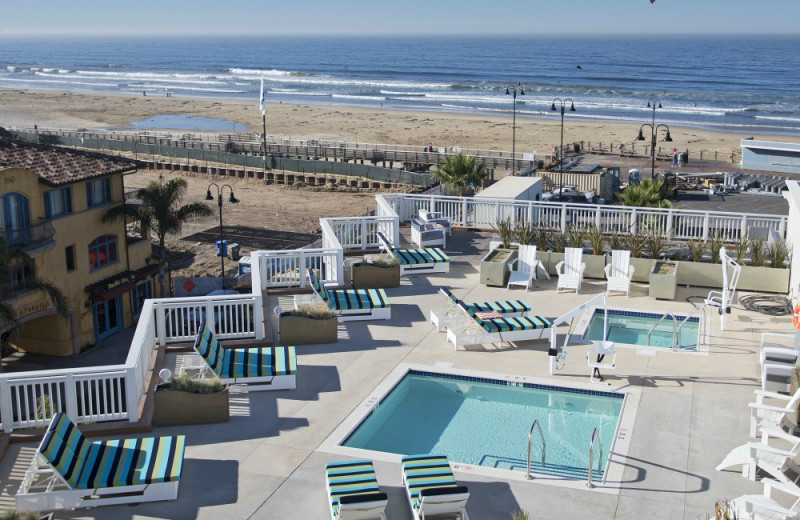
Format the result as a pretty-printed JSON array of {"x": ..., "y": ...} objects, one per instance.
[
  {"x": 375, "y": 272},
  {"x": 495, "y": 266},
  {"x": 189, "y": 401},
  {"x": 308, "y": 325},
  {"x": 663, "y": 280},
  {"x": 13, "y": 514}
]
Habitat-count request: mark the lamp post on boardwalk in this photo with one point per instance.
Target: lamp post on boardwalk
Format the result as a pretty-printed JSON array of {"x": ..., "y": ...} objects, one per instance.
[
  {"x": 233, "y": 200},
  {"x": 561, "y": 150},
  {"x": 653, "y": 103},
  {"x": 512, "y": 90}
]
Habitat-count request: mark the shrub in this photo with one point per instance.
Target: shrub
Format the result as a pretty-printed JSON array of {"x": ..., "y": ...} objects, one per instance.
[
  {"x": 596, "y": 239},
  {"x": 196, "y": 386},
  {"x": 526, "y": 234},
  {"x": 13, "y": 514},
  {"x": 616, "y": 241},
  {"x": 741, "y": 249},
  {"x": 757, "y": 252},
  {"x": 575, "y": 237},
  {"x": 520, "y": 515},
  {"x": 636, "y": 245},
  {"x": 315, "y": 312},
  {"x": 723, "y": 511},
  {"x": 696, "y": 250},
  {"x": 656, "y": 243},
  {"x": 506, "y": 230},
  {"x": 778, "y": 253},
  {"x": 383, "y": 260},
  {"x": 715, "y": 243},
  {"x": 557, "y": 240}
]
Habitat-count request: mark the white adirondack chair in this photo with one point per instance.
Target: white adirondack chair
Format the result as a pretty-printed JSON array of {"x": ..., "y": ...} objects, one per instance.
[
  {"x": 524, "y": 268},
  {"x": 619, "y": 272},
  {"x": 570, "y": 270}
]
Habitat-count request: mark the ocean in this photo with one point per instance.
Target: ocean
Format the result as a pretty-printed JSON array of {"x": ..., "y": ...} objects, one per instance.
[{"x": 742, "y": 84}]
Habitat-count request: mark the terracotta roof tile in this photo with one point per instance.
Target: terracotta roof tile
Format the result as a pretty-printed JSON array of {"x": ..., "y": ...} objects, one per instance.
[{"x": 55, "y": 165}]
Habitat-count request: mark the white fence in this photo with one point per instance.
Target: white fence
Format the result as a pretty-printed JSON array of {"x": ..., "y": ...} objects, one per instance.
[
  {"x": 110, "y": 393},
  {"x": 671, "y": 223},
  {"x": 288, "y": 268}
]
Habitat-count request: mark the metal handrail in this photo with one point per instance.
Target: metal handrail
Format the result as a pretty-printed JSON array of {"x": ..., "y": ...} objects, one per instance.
[
  {"x": 544, "y": 447},
  {"x": 595, "y": 433},
  {"x": 702, "y": 307},
  {"x": 674, "y": 328}
]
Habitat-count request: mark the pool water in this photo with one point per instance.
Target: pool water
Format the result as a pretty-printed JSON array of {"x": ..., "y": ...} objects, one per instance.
[
  {"x": 485, "y": 422},
  {"x": 630, "y": 327}
]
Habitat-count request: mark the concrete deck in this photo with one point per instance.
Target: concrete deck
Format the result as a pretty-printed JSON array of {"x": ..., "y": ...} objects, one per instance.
[{"x": 267, "y": 461}]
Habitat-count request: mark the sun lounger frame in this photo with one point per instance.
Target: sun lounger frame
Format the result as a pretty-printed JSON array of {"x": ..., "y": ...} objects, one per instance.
[{"x": 419, "y": 267}]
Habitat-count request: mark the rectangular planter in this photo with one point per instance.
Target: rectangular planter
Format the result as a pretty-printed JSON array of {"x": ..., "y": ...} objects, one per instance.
[
  {"x": 370, "y": 276},
  {"x": 663, "y": 286},
  {"x": 552, "y": 261},
  {"x": 495, "y": 273},
  {"x": 760, "y": 279},
  {"x": 302, "y": 330},
  {"x": 595, "y": 266},
  {"x": 642, "y": 268},
  {"x": 174, "y": 408}
]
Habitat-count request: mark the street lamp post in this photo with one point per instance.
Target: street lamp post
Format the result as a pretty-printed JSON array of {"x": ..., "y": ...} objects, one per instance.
[
  {"x": 653, "y": 103},
  {"x": 561, "y": 150},
  {"x": 232, "y": 200},
  {"x": 512, "y": 90}
]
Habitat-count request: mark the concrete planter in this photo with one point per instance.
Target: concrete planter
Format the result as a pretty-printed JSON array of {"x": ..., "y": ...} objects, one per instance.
[
  {"x": 494, "y": 271},
  {"x": 642, "y": 268},
  {"x": 663, "y": 285},
  {"x": 302, "y": 330},
  {"x": 761, "y": 279},
  {"x": 175, "y": 407},
  {"x": 595, "y": 266},
  {"x": 552, "y": 261},
  {"x": 370, "y": 276}
]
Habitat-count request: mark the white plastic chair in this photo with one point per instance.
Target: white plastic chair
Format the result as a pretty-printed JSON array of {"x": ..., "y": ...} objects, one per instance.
[
  {"x": 524, "y": 267},
  {"x": 764, "y": 506},
  {"x": 619, "y": 272},
  {"x": 780, "y": 412},
  {"x": 778, "y": 352},
  {"x": 570, "y": 270}
]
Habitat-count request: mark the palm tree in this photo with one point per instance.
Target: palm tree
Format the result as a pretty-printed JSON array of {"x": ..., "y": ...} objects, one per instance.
[
  {"x": 648, "y": 194},
  {"x": 16, "y": 269},
  {"x": 159, "y": 212},
  {"x": 461, "y": 172}
]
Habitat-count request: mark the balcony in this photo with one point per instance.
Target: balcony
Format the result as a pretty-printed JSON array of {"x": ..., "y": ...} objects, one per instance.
[{"x": 31, "y": 239}]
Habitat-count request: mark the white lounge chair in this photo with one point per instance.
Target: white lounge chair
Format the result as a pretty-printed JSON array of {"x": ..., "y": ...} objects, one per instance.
[
  {"x": 454, "y": 314},
  {"x": 353, "y": 491},
  {"x": 570, "y": 270},
  {"x": 348, "y": 304},
  {"x": 779, "y": 352},
  {"x": 619, "y": 272},
  {"x": 779, "y": 413},
  {"x": 764, "y": 506},
  {"x": 417, "y": 261},
  {"x": 69, "y": 471},
  {"x": 436, "y": 217},
  {"x": 525, "y": 268},
  {"x": 765, "y": 455},
  {"x": 432, "y": 489},
  {"x": 483, "y": 330}
]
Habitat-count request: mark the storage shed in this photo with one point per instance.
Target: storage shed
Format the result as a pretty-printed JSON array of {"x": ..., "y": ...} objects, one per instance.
[{"x": 517, "y": 188}]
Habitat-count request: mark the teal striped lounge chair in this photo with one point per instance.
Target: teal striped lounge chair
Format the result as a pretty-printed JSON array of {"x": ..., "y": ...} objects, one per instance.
[
  {"x": 255, "y": 368},
  {"x": 480, "y": 331},
  {"x": 417, "y": 261},
  {"x": 353, "y": 491},
  {"x": 350, "y": 304},
  {"x": 70, "y": 471},
  {"x": 442, "y": 318},
  {"x": 432, "y": 489}
]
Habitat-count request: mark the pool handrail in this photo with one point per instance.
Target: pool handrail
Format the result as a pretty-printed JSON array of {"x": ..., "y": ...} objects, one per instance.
[
  {"x": 674, "y": 328},
  {"x": 544, "y": 447},
  {"x": 701, "y": 307},
  {"x": 595, "y": 433}
]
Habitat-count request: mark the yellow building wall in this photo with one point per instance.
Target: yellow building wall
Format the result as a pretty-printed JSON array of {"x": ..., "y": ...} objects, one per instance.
[{"x": 77, "y": 229}]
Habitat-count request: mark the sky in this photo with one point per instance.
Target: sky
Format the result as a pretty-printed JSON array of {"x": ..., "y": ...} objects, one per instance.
[{"x": 430, "y": 17}]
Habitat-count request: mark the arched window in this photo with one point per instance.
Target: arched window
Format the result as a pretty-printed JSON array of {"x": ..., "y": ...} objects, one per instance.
[
  {"x": 15, "y": 217},
  {"x": 102, "y": 251}
]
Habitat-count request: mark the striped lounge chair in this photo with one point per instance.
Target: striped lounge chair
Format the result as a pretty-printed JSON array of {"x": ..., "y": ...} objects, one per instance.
[
  {"x": 432, "y": 489},
  {"x": 255, "y": 368},
  {"x": 417, "y": 261},
  {"x": 442, "y": 318},
  {"x": 349, "y": 304},
  {"x": 482, "y": 330},
  {"x": 69, "y": 471},
  {"x": 353, "y": 491}
]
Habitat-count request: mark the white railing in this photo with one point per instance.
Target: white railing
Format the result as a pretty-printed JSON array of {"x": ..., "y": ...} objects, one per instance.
[
  {"x": 288, "y": 268},
  {"x": 671, "y": 223},
  {"x": 113, "y": 392},
  {"x": 360, "y": 233}
]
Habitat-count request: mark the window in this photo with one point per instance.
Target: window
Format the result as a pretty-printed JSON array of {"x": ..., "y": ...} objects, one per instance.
[
  {"x": 58, "y": 202},
  {"x": 98, "y": 192},
  {"x": 102, "y": 251},
  {"x": 69, "y": 252},
  {"x": 143, "y": 291},
  {"x": 15, "y": 217}
]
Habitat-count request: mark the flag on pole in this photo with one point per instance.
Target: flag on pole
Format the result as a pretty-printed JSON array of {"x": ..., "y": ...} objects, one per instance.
[{"x": 261, "y": 99}]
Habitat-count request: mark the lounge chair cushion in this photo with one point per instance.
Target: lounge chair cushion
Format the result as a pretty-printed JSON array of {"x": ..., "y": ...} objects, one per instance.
[
  {"x": 424, "y": 472},
  {"x": 102, "y": 464},
  {"x": 501, "y": 306},
  {"x": 349, "y": 299},
  {"x": 233, "y": 363},
  {"x": 513, "y": 324},
  {"x": 428, "y": 255},
  {"x": 352, "y": 481}
]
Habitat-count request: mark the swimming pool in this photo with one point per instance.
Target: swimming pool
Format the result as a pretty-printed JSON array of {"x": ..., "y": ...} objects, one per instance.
[
  {"x": 485, "y": 422},
  {"x": 632, "y": 327}
]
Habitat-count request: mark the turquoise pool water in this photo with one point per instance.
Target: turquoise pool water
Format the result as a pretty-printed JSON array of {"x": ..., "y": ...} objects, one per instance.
[
  {"x": 631, "y": 328},
  {"x": 485, "y": 422}
]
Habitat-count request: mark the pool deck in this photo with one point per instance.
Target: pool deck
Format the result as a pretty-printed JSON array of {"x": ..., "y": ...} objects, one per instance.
[{"x": 268, "y": 461}]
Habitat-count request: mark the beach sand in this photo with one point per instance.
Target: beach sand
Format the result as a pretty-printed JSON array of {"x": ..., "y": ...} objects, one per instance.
[{"x": 299, "y": 210}]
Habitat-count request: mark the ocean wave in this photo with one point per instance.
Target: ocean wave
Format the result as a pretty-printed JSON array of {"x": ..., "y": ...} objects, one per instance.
[
  {"x": 257, "y": 73},
  {"x": 396, "y": 93},
  {"x": 365, "y": 98},
  {"x": 186, "y": 88}
]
